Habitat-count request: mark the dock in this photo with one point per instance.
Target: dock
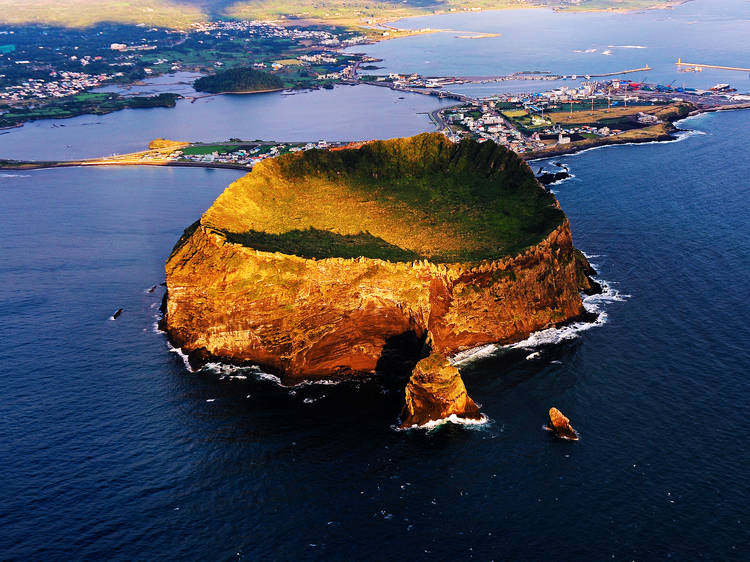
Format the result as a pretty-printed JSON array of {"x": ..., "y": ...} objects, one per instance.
[
  {"x": 697, "y": 65},
  {"x": 632, "y": 70}
]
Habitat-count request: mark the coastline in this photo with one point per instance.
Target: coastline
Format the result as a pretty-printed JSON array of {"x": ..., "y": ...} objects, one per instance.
[
  {"x": 132, "y": 160},
  {"x": 21, "y": 166},
  {"x": 668, "y": 135}
]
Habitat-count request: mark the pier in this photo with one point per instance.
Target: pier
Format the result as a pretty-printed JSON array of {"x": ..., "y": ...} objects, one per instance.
[
  {"x": 697, "y": 65},
  {"x": 632, "y": 70}
]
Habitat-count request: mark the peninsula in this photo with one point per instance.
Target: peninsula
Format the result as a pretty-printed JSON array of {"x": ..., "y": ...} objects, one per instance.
[{"x": 327, "y": 263}]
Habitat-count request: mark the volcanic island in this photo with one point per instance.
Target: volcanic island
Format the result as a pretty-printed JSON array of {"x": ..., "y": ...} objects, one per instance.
[{"x": 327, "y": 264}]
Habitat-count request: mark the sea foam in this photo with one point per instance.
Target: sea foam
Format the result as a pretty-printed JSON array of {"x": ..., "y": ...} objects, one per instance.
[
  {"x": 453, "y": 418},
  {"x": 593, "y": 304}
]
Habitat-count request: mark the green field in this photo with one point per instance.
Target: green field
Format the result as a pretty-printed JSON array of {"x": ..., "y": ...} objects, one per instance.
[
  {"x": 181, "y": 13},
  {"x": 209, "y": 149},
  {"x": 421, "y": 197}
]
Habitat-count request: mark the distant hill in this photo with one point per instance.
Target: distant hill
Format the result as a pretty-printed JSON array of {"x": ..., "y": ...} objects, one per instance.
[
  {"x": 238, "y": 80},
  {"x": 181, "y": 13}
]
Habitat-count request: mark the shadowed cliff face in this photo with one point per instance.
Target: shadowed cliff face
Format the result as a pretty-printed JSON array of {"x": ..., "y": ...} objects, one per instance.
[{"x": 294, "y": 306}]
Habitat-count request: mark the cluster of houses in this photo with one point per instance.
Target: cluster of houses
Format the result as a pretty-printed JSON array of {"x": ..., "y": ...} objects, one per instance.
[
  {"x": 241, "y": 157},
  {"x": 261, "y": 28},
  {"x": 489, "y": 125},
  {"x": 61, "y": 84}
]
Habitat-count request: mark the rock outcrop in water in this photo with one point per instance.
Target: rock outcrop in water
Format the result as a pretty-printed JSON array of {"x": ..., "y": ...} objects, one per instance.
[
  {"x": 561, "y": 425},
  {"x": 436, "y": 391},
  {"x": 324, "y": 264}
]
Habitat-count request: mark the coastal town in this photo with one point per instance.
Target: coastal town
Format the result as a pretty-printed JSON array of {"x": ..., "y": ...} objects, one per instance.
[
  {"x": 39, "y": 65},
  {"x": 57, "y": 74}
]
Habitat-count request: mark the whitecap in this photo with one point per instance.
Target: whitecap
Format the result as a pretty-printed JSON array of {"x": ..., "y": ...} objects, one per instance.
[
  {"x": 228, "y": 371},
  {"x": 627, "y": 47},
  {"x": 678, "y": 136},
  {"x": 454, "y": 419},
  {"x": 593, "y": 304},
  {"x": 535, "y": 355},
  {"x": 15, "y": 176},
  {"x": 182, "y": 355},
  {"x": 558, "y": 182}
]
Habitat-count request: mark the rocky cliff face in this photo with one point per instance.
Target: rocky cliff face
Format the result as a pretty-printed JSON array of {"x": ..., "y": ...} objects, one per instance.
[{"x": 243, "y": 290}]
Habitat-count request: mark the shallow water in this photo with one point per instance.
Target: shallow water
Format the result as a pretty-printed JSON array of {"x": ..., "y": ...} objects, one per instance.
[{"x": 110, "y": 448}]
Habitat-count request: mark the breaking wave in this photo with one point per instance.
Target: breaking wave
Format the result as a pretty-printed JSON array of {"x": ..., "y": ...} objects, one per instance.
[
  {"x": 240, "y": 373},
  {"x": 594, "y": 304},
  {"x": 453, "y": 418}
]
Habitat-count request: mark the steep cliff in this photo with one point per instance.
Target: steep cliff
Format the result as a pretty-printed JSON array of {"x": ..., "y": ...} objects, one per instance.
[{"x": 321, "y": 264}]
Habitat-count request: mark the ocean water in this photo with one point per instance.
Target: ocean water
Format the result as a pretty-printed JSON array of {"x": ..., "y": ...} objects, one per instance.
[
  {"x": 110, "y": 448},
  {"x": 701, "y": 31}
]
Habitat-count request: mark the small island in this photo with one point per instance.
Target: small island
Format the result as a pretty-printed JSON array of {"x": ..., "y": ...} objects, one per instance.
[
  {"x": 327, "y": 264},
  {"x": 239, "y": 80}
]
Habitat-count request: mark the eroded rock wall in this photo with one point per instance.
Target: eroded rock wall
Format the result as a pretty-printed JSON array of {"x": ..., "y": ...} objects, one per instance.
[{"x": 306, "y": 318}]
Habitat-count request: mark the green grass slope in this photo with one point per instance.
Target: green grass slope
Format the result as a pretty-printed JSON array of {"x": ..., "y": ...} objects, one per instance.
[{"x": 422, "y": 197}]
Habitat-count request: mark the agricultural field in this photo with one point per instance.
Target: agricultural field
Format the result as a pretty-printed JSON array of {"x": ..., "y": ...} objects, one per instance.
[
  {"x": 178, "y": 14},
  {"x": 599, "y": 114}
]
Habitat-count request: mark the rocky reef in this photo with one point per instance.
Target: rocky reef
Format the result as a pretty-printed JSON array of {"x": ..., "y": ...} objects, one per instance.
[{"x": 325, "y": 264}]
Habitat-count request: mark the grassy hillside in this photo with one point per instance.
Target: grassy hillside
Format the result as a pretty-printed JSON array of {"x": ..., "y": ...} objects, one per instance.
[
  {"x": 421, "y": 197},
  {"x": 179, "y": 13}
]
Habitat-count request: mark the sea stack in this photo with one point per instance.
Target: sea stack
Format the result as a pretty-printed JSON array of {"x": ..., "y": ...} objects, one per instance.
[
  {"x": 561, "y": 425},
  {"x": 436, "y": 391},
  {"x": 319, "y": 264}
]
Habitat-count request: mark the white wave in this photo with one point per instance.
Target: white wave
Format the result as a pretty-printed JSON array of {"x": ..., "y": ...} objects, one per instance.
[
  {"x": 473, "y": 354},
  {"x": 591, "y": 256},
  {"x": 233, "y": 377},
  {"x": 558, "y": 182},
  {"x": 210, "y": 399},
  {"x": 453, "y": 418},
  {"x": 15, "y": 176},
  {"x": 627, "y": 47},
  {"x": 607, "y": 53},
  {"x": 594, "y": 304},
  {"x": 236, "y": 372},
  {"x": 679, "y": 136},
  {"x": 535, "y": 355},
  {"x": 182, "y": 355}
]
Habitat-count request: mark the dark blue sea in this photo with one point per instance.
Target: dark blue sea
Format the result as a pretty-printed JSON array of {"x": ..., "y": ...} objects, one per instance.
[{"x": 111, "y": 449}]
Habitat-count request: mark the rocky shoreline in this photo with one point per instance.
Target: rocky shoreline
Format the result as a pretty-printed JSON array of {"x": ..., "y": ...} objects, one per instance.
[{"x": 331, "y": 317}]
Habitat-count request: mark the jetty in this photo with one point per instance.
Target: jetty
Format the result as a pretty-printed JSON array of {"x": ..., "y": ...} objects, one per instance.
[
  {"x": 630, "y": 71},
  {"x": 701, "y": 66}
]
